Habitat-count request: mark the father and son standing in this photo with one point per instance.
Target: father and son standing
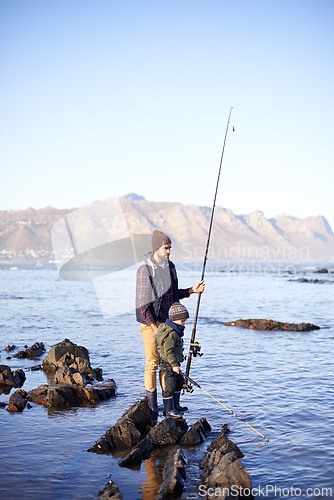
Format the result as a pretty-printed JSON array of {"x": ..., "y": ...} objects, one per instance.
[{"x": 162, "y": 318}]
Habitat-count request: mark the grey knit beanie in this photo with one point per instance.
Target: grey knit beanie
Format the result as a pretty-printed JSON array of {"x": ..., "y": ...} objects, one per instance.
[
  {"x": 177, "y": 311},
  {"x": 159, "y": 239}
]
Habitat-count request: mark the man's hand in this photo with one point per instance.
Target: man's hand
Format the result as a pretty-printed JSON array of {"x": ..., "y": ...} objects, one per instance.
[
  {"x": 198, "y": 288},
  {"x": 176, "y": 369},
  {"x": 154, "y": 328}
]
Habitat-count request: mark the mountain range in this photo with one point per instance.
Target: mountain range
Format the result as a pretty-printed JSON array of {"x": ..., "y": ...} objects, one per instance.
[{"x": 26, "y": 234}]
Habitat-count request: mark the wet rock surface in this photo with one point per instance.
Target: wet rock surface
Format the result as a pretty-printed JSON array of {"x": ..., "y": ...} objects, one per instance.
[
  {"x": 164, "y": 433},
  {"x": 10, "y": 348},
  {"x": 65, "y": 395},
  {"x": 269, "y": 324},
  {"x": 223, "y": 472},
  {"x": 127, "y": 431},
  {"x": 11, "y": 379},
  {"x": 196, "y": 434},
  {"x": 174, "y": 475},
  {"x": 17, "y": 401},
  {"x": 68, "y": 354},
  {"x": 36, "y": 350},
  {"x": 221, "y": 468},
  {"x": 109, "y": 491},
  {"x": 316, "y": 281},
  {"x": 74, "y": 382}
]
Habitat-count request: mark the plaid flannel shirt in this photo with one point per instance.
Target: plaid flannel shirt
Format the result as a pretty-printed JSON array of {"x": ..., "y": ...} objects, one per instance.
[{"x": 145, "y": 294}]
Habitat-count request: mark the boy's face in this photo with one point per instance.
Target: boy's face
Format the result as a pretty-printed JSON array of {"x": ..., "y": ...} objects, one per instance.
[{"x": 181, "y": 322}]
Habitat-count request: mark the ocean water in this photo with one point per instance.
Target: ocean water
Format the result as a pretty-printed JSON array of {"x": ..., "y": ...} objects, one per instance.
[{"x": 281, "y": 383}]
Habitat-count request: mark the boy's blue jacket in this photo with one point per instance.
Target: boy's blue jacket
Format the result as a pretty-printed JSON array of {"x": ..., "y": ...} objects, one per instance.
[{"x": 170, "y": 345}]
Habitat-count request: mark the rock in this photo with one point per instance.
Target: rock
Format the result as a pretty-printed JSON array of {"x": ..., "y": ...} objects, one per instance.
[
  {"x": 65, "y": 395},
  {"x": 269, "y": 324},
  {"x": 68, "y": 354},
  {"x": 167, "y": 432},
  {"x": 2, "y": 404},
  {"x": 127, "y": 431},
  {"x": 322, "y": 271},
  {"x": 6, "y": 376},
  {"x": 21, "y": 354},
  {"x": 196, "y": 434},
  {"x": 224, "y": 444},
  {"x": 173, "y": 475},
  {"x": 35, "y": 368},
  {"x": 39, "y": 395},
  {"x": 37, "y": 349},
  {"x": 19, "y": 378},
  {"x": 10, "y": 348},
  {"x": 138, "y": 454},
  {"x": 11, "y": 379},
  {"x": 223, "y": 472},
  {"x": 304, "y": 280},
  {"x": 110, "y": 491},
  {"x": 17, "y": 401},
  {"x": 62, "y": 353},
  {"x": 164, "y": 433},
  {"x": 69, "y": 376}
]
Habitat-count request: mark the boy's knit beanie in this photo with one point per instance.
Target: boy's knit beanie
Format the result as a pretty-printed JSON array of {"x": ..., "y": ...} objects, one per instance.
[
  {"x": 159, "y": 239},
  {"x": 177, "y": 311}
]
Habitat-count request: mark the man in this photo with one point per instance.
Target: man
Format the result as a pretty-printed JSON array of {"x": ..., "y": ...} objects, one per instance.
[{"x": 156, "y": 290}]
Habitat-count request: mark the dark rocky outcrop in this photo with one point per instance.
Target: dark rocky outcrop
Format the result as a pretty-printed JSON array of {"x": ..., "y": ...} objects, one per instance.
[
  {"x": 322, "y": 271},
  {"x": 165, "y": 433},
  {"x": 127, "y": 431},
  {"x": 316, "y": 281},
  {"x": 17, "y": 401},
  {"x": 173, "y": 475},
  {"x": 74, "y": 381},
  {"x": 10, "y": 348},
  {"x": 11, "y": 379},
  {"x": 110, "y": 491},
  {"x": 68, "y": 354},
  {"x": 196, "y": 434},
  {"x": 223, "y": 471},
  {"x": 269, "y": 324},
  {"x": 65, "y": 396},
  {"x": 37, "y": 349},
  {"x": 69, "y": 376}
]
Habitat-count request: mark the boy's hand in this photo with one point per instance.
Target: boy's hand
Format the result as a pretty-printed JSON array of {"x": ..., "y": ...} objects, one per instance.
[{"x": 176, "y": 369}]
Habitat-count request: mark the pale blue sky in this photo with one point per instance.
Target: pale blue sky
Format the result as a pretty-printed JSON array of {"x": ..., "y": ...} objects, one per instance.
[{"x": 102, "y": 98}]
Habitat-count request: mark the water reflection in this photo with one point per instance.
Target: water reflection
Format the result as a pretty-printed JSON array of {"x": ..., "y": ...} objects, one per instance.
[{"x": 153, "y": 468}]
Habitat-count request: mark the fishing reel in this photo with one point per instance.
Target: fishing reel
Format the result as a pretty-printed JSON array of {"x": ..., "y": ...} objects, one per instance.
[
  {"x": 195, "y": 349},
  {"x": 187, "y": 388}
]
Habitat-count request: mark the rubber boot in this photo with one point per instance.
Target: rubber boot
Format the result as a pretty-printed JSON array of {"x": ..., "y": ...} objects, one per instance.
[
  {"x": 152, "y": 398},
  {"x": 176, "y": 399},
  {"x": 169, "y": 408}
]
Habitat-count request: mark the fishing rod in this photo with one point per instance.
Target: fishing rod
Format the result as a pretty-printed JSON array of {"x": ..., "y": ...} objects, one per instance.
[
  {"x": 222, "y": 404},
  {"x": 194, "y": 348}
]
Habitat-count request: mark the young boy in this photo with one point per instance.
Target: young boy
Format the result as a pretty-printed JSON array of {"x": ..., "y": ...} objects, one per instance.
[{"x": 170, "y": 347}]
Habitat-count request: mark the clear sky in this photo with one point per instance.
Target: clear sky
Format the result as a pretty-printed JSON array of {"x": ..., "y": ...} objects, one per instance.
[{"x": 106, "y": 97}]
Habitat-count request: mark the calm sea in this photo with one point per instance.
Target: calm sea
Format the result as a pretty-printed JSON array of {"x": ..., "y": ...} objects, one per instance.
[{"x": 279, "y": 382}]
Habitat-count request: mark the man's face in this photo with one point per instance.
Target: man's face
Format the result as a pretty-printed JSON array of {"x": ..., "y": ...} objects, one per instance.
[{"x": 164, "y": 252}]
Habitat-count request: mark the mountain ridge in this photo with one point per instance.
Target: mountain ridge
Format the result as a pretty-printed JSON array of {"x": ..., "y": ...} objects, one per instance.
[{"x": 26, "y": 234}]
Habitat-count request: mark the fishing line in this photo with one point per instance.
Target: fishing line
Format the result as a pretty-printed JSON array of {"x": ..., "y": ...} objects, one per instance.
[{"x": 222, "y": 404}]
